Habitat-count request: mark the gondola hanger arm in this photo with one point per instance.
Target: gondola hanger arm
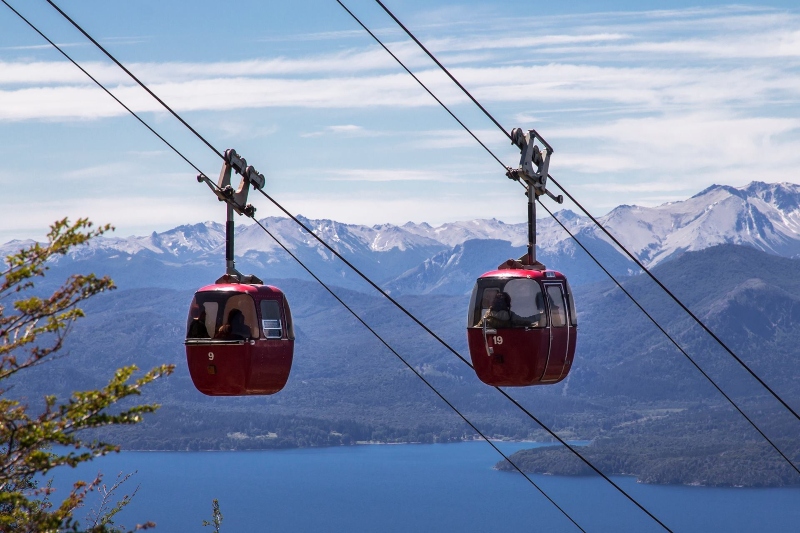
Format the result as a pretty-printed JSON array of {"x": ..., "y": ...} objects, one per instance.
[
  {"x": 534, "y": 162},
  {"x": 236, "y": 198}
]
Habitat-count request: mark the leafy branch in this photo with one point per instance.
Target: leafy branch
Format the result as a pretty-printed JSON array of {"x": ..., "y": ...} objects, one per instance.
[{"x": 33, "y": 328}]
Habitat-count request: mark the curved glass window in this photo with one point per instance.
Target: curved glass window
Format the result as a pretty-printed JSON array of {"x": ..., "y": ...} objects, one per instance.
[
  {"x": 507, "y": 303},
  {"x": 289, "y": 322},
  {"x": 558, "y": 309},
  {"x": 573, "y": 314},
  {"x": 471, "y": 310},
  {"x": 527, "y": 303},
  {"x": 271, "y": 319},
  {"x": 222, "y": 316}
]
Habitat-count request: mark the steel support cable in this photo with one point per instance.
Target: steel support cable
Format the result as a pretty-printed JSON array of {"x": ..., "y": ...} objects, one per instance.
[
  {"x": 129, "y": 73},
  {"x": 420, "y": 376},
  {"x": 771, "y": 443},
  {"x": 603, "y": 228},
  {"x": 461, "y": 357},
  {"x": 672, "y": 340},
  {"x": 443, "y": 398},
  {"x": 420, "y": 82},
  {"x": 552, "y": 215},
  {"x": 512, "y": 400},
  {"x": 679, "y": 302},
  {"x": 397, "y": 304},
  {"x": 54, "y": 45},
  {"x": 430, "y": 55}
]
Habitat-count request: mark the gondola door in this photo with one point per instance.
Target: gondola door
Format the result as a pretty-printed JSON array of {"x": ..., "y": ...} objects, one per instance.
[{"x": 559, "y": 332}]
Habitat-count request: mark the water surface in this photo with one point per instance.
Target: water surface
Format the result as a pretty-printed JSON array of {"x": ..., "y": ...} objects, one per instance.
[{"x": 433, "y": 487}]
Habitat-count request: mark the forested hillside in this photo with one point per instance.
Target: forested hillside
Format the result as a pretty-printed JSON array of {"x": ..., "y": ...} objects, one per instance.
[{"x": 628, "y": 381}]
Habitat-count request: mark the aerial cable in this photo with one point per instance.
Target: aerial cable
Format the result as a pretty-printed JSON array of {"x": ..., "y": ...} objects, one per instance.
[
  {"x": 422, "y": 84},
  {"x": 517, "y": 404},
  {"x": 506, "y": 395},
  {"x": 461, "y": 357},
  {"x": 129, "y": 73},
  {"x": 430, "y": 55},
  {"x": 672, "y": 340},
  {"x": 596, "y": 222},
  {"x": 492, "y": 118},
  {"x": 551, "y": 214},
  {"x": 420, "y": 376},
  {"x": 325, "y": 286},
  {"x": 54, "y": 45}
]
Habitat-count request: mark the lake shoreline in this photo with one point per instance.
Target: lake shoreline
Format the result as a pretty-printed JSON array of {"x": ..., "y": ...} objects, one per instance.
[
  {"x": 372, "y": 487},
  {"x": 663, "y": 462}
]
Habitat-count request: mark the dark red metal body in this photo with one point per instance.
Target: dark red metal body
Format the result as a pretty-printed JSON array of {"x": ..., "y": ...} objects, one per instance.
[
  {"x": 523, "y": 356},
  {"x": 253, "y": 366}
]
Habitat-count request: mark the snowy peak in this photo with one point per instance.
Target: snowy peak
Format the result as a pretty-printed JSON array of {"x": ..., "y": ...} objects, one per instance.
[
  {"x": 761, "y": 215},
  {"x": 765, "y": 216},
  {"x": 191, "y": 238},
  {"x": 454, "y": 233}
]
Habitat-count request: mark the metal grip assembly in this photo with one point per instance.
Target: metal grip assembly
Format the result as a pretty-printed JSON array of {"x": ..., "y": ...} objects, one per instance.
[
  {"x": 533, "y": 165},
  {"x": 236, "y": 200}
]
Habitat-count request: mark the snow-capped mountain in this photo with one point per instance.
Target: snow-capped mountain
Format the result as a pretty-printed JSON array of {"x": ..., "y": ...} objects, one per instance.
[
  {"x": 765, "y": 216},
  {"x": 420, "y": 258}
]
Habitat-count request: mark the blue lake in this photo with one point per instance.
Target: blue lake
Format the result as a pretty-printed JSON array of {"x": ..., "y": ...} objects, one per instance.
[{"x": 438, "y": 487}]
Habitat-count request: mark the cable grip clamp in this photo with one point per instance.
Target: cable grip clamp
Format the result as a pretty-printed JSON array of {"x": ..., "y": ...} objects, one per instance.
[
  {"x": 534, "y": 162},
  {"x": 225, "y": 192}
]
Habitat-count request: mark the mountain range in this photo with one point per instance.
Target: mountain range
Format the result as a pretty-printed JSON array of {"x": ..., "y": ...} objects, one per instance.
[
  {"x": 738, "y": 270},
  {"x": 422, "y": 259}
]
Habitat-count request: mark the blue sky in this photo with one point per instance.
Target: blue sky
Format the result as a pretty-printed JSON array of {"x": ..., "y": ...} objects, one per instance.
[{"x": 642, "y": 106}]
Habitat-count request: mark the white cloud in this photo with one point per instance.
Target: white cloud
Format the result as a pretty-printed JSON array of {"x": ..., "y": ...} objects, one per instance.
[
  {"x": 641, "y": 107},
  {"x": 668, "y": 57},
  {"x": 387, "y": 175},
  {"x": 641, "y": 88},
  {"x": 344, "y": 130},
  {"x": 233, "y": 129},
  {"x": 378, "y": 209},
  {"x": 456, "y": 138},
  {"x": 520, "y": 42},
  {"x": 47, "y": 46},
  {"x": 692, "y": 142},
  {"x": 124, "y": 213}
]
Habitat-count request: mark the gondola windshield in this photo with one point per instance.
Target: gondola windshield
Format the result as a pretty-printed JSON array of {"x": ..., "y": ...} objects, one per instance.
[
  {"x": 507, "y": 303},
  {"x": 223, "y": 316}
]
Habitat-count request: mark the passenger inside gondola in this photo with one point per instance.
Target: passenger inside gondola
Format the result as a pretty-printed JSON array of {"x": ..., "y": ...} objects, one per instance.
[
  {"x": 528, "y": 307},
  {"x": 499, "y": 313},
  {"x": 234, "y": 328},
  {"x": 518, "y": 303},
  {"x": 197, "y": 327}
]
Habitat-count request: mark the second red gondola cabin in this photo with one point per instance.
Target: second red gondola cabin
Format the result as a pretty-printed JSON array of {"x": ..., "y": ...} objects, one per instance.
[{"x": 522, "y": 327}]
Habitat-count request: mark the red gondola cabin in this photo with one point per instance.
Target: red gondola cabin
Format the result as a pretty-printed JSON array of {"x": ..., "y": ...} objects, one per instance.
[
  {"x": 522, "y": 327},
  {"x": 239, "y": 339}
]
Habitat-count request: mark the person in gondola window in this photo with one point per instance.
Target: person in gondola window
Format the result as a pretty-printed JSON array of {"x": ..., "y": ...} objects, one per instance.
[
  {"x": 235, "y": 328},
  {"x": 499, "y": 314},
  {"x": 197, "y": 329}
]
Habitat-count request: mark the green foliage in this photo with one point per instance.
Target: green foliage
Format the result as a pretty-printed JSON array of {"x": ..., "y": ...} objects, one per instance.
[
  {"x": 32, "y": 329},
  {"x": 216, "y": 516},
  {"x": 693, "y": 446},
  {"x": 109, "y": 506}
]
